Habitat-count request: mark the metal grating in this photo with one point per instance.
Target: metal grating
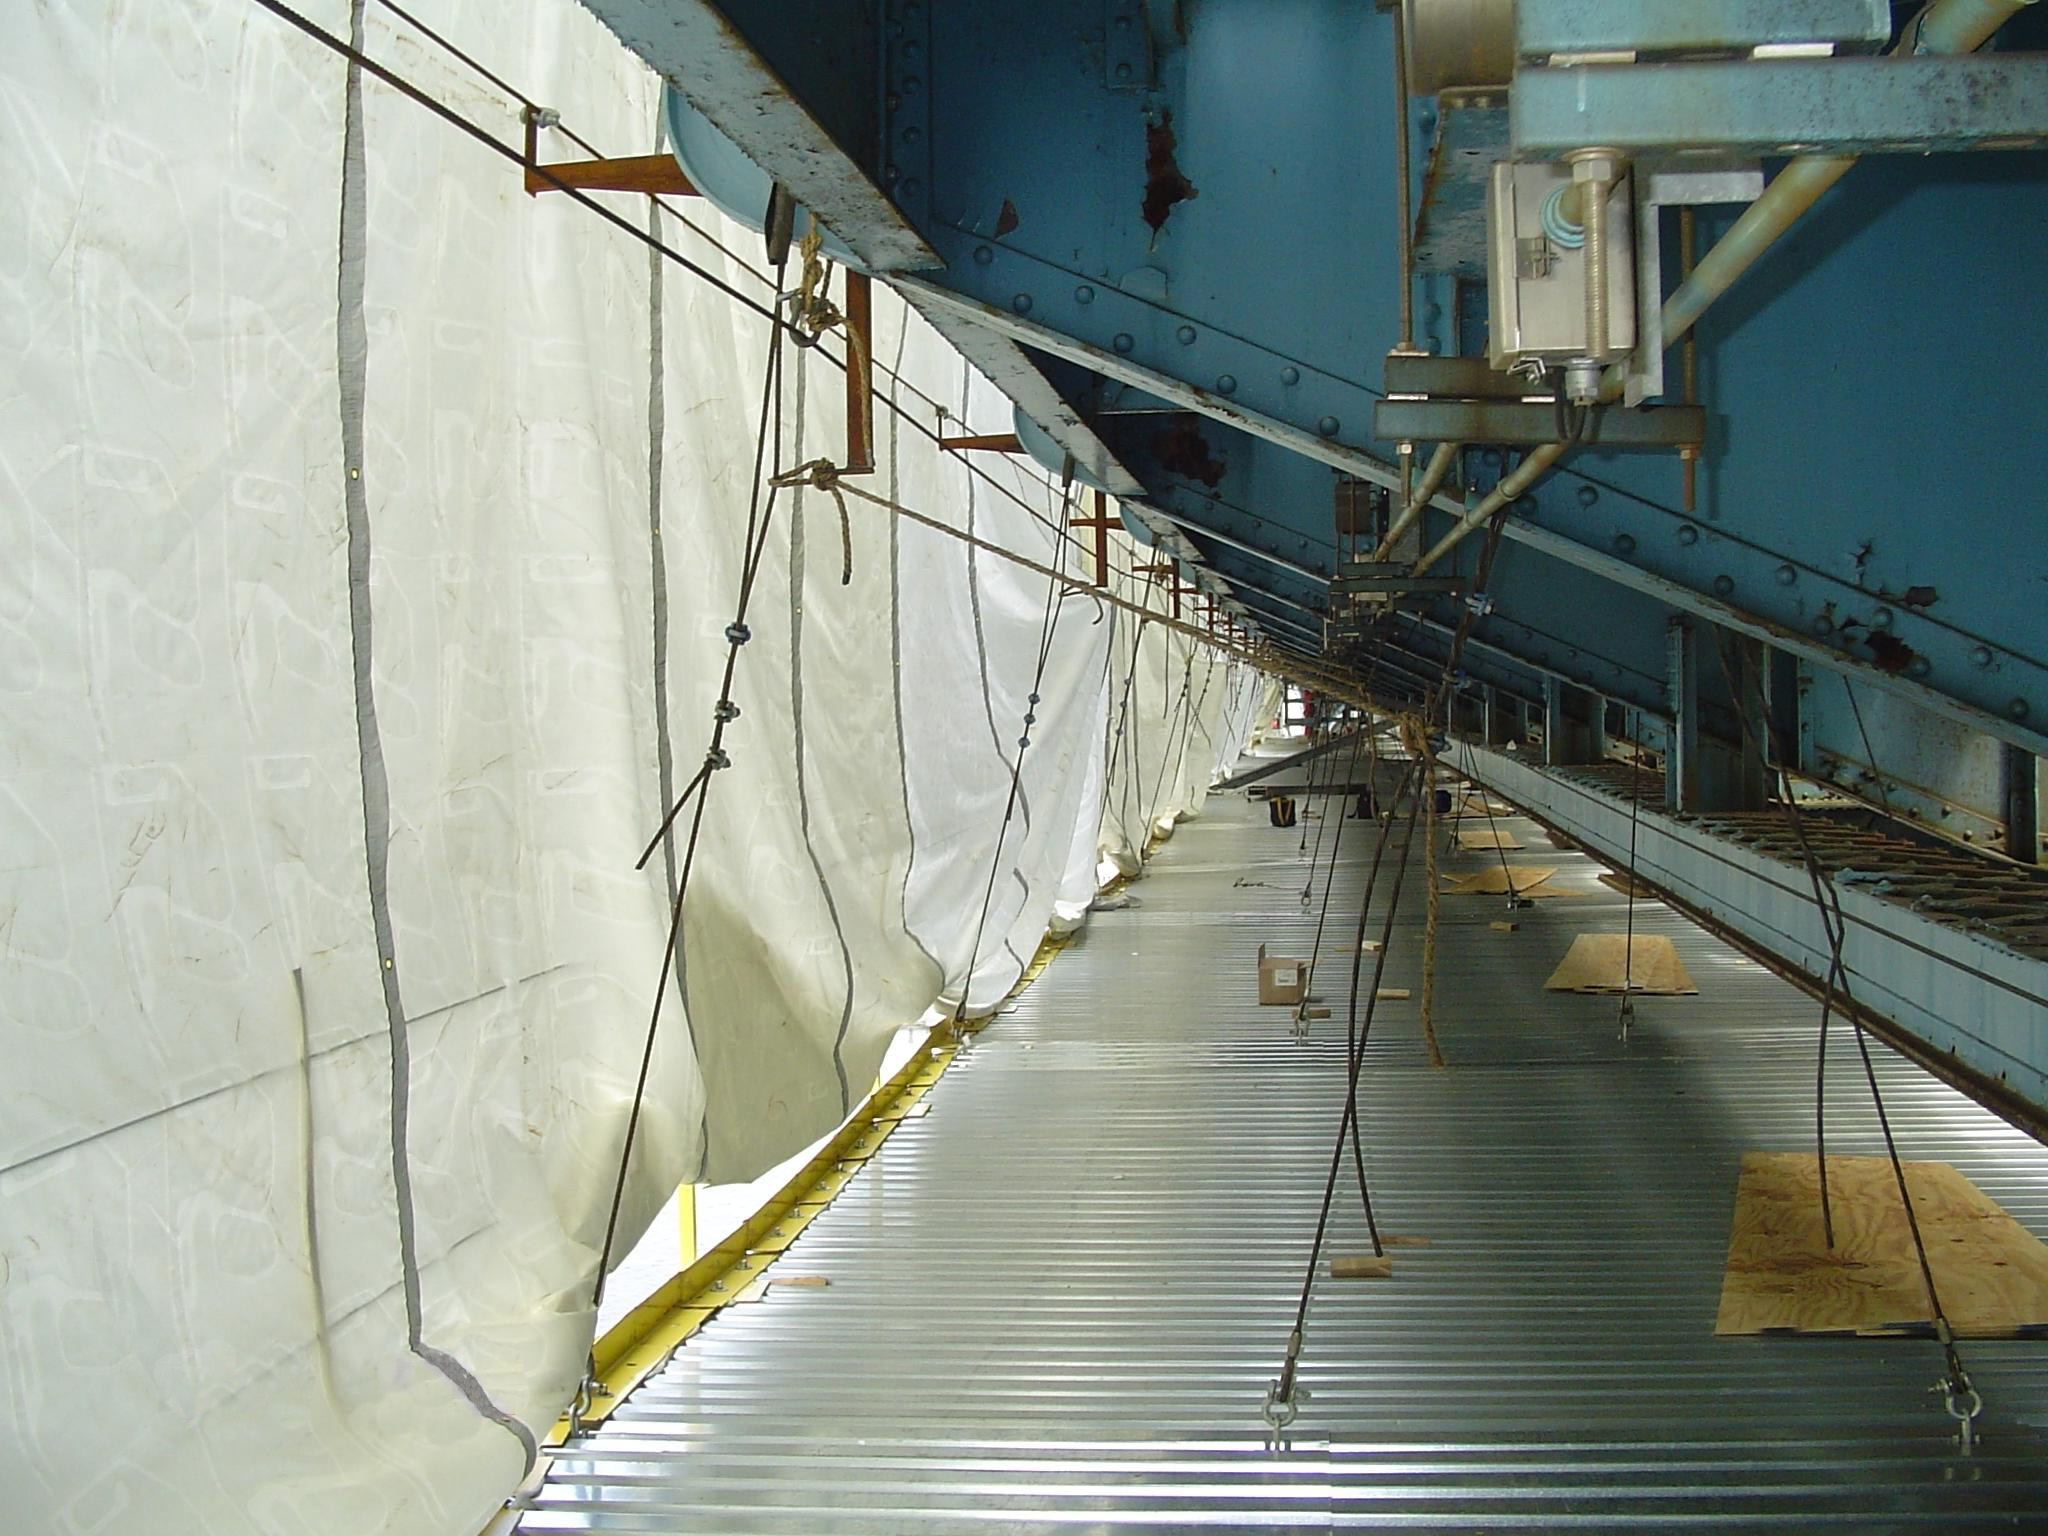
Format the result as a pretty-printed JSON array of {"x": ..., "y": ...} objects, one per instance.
[{"x": 1056, "y": 1299}]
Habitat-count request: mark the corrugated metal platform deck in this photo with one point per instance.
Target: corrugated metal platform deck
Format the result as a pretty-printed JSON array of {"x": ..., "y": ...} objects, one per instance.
[{"x": 1057, "y": 1298}]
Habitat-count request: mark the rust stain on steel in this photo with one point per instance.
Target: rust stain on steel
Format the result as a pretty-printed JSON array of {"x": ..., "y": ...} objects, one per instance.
[
  {"x": 1888, "y": 651},
  {"x": 1007, "y": 219},
  {"x": 1182, "y": 450},
  {"x": 1164, "y": 184}
]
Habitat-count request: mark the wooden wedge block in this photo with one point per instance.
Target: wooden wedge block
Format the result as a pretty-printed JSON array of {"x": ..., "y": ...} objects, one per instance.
[
  {"x": 1395, "y": 994},
  {"x": 1369, "y": 947},
  {"x": 1503, "y": 927},
  {"x": 1369, "y": 1266},
  {"x": 1404, "y": 1242}
]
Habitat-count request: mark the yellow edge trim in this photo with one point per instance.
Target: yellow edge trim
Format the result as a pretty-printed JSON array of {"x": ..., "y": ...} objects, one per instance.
[{"x": 735, "y": 1270}]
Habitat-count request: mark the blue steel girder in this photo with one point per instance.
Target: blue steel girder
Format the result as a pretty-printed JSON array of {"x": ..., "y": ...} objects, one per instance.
[{"x": 1210, "y": 215}]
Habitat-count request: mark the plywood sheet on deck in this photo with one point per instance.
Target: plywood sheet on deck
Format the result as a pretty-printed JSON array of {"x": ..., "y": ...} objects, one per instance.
[
  {"x": 1526, "y": 879},
  {"x": 1610, "y": 962},
  {"x": 1991, "y": 1272},
  {"x": 1486, "y": 839}
]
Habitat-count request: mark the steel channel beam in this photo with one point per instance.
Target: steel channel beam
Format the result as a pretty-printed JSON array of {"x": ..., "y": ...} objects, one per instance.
[
  {"x": 1907, "y": 104},
  {"x": 1956, "y": 993},
  {"x": 1202, "y": 530},
  {"x": 1546, "y": 28},
  {"x": 691, "y": 44},
  {"x": 1982, "y": 683},
  {"x": 1523, "y": 421}
]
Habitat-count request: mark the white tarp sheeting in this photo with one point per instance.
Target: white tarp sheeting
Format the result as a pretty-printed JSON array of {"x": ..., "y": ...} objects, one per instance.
[{"x": 348, "y": 490}]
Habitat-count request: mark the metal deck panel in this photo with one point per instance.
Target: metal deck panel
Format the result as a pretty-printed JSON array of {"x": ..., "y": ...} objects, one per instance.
[{"x": 1057, "y": 1298}]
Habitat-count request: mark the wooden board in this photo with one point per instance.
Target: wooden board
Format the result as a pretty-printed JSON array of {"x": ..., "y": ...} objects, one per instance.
[
  {"x": 1364, "y": 1267},
  {"x": 1473, "y": 805},
  {"x": 1610, "y": 962},
  {"x": 1991, "y": 1272},
  {"x": 1486, "y": 839},
  {"x": 1493, "y": 881}
]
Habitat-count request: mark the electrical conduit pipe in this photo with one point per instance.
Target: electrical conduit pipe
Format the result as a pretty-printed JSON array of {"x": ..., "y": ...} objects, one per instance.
[{"x": 1946, "y": 26}]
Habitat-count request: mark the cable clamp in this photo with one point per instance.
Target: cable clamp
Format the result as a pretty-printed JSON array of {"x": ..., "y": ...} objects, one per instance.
[
  {"x": 738, "y": 634},
  {"x": 725, "y": 711},
  {"x": 717, "y": 759}
]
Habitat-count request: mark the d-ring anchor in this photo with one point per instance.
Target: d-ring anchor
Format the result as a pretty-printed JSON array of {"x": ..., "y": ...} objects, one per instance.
[
  {"x": 1278, "y": 1412},
  {"x": 1965, "y": 1405}
]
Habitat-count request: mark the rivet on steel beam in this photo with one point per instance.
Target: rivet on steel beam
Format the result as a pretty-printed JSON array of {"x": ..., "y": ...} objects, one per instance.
[
  {"x": 1688, "y": 535},
  {"x": 1226, "y": 384},
  {"x": 2017, "y": 709},
  {"x": 1186, "y": 334},
  {"x": 1021, "y": 303},
  {"x": 1588, "y": 495},
  {"x": 1290, "y": 375},
  {"x": 1328, "y": 426},
  {"x": 1880, "y": 618},
  {"x": 1981, "y": 655},
  {"x": 1122, "y": 341},
  {"x": 1625, "y": 543},
  {"x": 1787, "y": 575},
  {"x": 1084, "y": 295},
  {"x": 983, "y": 255},
  {"x": 1918, "y": 667},
  {"x": 1723, "y": 585}
]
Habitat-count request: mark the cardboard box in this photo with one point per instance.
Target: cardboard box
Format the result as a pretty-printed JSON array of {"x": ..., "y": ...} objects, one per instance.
[{"x": 1282, "y": 983}]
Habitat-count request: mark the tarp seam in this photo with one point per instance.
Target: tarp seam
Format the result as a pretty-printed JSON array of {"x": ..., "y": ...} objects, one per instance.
[
  {"x": 896, "y": 651},
  {"x": 352, "y": 358}
]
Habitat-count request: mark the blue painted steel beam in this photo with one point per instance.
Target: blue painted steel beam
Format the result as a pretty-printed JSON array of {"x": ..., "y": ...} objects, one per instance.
[
  {"x": 1546, "y": 28},
  {"x": 1905, "y": 104}
]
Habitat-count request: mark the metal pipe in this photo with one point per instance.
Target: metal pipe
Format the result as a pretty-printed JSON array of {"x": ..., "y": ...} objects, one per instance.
[
  {"x": 1946, "y": 26},
  {"x": 1407, "y": 214},
  {"x": 1433, "y": 476}
]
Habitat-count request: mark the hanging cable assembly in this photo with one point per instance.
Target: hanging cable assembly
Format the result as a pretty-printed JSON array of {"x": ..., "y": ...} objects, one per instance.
[
  {"x": 1301, "y": 1018},
  {"x": 1959, "y": 1395},
  {"x": 760, "y": 512},
  {"x": 1280, "y": 1407},
  {"x": 1308, "y": 792},
  {"x": 1048, "y": 630},
  {"x": 1627, "y": 1015}
]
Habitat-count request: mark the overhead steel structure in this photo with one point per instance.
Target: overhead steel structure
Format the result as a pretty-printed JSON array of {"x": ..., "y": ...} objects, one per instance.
[{"x": 1726, "y": 315}]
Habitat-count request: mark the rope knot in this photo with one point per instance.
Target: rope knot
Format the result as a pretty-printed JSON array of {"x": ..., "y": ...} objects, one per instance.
[{"x": 823, "y": 475}]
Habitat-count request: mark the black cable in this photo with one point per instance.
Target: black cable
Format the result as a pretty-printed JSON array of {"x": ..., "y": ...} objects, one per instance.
[
  {"x": 1358, "y": 1033},
  {"x": 1828, "y": 903},
  {"x": 1048, "y": 629},
  {"x": 760, "y": 512},
  {"x": 1627, "y": 1012}
]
